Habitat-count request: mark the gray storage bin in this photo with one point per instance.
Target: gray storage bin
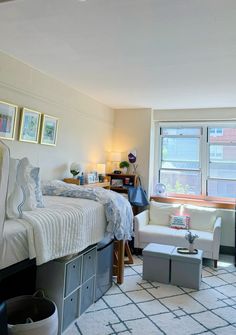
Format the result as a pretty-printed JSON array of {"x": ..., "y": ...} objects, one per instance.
[
  {"x": 87, "y": 295},
  {"x": 89, "y": 264},
  {"x": 156, "y": 262},
  {"x": 71, "y": 309},
  {"x": 73, "y": 275},
  {"x": 186, "y": 270},
  {"x": 104, "y": 266}
]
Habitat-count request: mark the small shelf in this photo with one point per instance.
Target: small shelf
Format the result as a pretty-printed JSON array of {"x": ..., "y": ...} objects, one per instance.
[{"x": 121, "y": 182}]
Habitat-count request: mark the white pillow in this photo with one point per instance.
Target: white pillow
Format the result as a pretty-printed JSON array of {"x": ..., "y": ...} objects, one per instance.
[
  {"x": 202, "y": 218},
  {"x": 159, "y": 213},
  {"x": 4, "y": 173},
  {"x": 22, "y": 188},
  {"x": 15, "y": 197}
]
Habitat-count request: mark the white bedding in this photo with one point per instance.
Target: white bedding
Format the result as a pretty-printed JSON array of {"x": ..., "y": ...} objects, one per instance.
[
  {"x": 65, "y": 226},
  {"x": 14, "y": 247}
]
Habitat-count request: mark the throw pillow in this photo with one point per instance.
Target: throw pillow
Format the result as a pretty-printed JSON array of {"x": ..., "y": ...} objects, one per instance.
[
  {"x": 34, "y": 174},
  {"x": 15, "y": 196},
  {"x": 27, "y": 185},
  {"x": 179, "y": 221}
]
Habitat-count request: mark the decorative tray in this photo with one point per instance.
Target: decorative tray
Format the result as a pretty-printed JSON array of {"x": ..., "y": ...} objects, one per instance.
[{"x": 186, "y": 251}]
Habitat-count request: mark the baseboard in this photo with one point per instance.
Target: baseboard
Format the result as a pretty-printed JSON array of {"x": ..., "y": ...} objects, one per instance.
[{"x": 227, "y": 250}]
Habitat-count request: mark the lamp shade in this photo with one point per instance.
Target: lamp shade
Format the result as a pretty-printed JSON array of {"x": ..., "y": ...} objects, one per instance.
[
  {"x": 115, "y": 157},
  {"x": 101, "y": 169}
]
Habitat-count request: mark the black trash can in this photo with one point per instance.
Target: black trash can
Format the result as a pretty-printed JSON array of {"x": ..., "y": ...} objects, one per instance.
[
  {"x": 3, "y": 319},
  {"x": 104, "y": 266}
]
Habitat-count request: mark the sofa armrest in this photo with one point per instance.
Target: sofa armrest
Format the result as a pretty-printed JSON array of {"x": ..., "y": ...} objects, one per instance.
[
  {"x": 216, "y": 237},
  {"x": 141, "y": 219}
]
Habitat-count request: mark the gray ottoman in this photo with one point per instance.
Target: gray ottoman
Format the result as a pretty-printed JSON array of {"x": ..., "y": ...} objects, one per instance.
[
  {"x": 186, "y": 270},
  {"x": 156, "y": 262}
]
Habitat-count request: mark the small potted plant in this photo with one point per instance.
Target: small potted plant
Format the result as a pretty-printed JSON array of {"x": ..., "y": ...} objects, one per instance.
[
  {"x": 191, "y": 238},
  {"x": 75, "y": 169},
  {"x": 124, "y": 166}
]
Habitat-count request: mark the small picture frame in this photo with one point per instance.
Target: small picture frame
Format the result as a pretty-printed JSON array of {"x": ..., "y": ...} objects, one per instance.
[
  {"x": 29, "y": 125},
  {"x": 8, "y": 115},
  {"x": 49, "y": 130},
  {"x": 117, "y": 182},
  {"x": 91, "y": 178}
]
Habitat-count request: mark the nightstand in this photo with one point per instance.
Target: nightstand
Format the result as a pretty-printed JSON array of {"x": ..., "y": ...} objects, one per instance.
[{"x": 105, "y": 184}]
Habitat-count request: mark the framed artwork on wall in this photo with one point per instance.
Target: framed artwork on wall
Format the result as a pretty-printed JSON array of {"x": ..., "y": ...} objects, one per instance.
[
  {"x": 49, "y": 130},
  {"x": 29, "y": 126},
  {"x": 8, "y": 115}
]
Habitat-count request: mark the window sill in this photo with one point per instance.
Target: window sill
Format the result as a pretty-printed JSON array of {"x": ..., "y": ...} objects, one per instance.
[{"x": 197, "y": 200}]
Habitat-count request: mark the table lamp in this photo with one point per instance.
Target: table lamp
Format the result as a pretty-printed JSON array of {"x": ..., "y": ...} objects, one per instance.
[{"x": 115, "y": 158}]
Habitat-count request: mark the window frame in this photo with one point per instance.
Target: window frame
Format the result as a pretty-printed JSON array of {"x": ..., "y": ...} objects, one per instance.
[{"x": 204, "y": 163}]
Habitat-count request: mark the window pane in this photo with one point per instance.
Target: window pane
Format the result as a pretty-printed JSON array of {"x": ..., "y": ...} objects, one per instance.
[
  {"x": 222, "y": 188},
  {"x": 181, "y": 182},
  {"x": 181, "y": 131},
  {"x": 180, "y": 150},
  {"x": 223, "y": 153},
  {"x": 222, "y": 161},
  {"x": 226, "y": 135},
  {"x": 223, "y": 170}
]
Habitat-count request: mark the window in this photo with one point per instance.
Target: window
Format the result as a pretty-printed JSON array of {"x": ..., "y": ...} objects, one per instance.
[
  {"x": 198, "y": 160},
  {"x": 180, "y": 160},
  {"x": 222, "y": 163}
]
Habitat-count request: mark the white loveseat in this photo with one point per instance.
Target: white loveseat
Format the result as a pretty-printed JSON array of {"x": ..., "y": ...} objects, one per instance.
[{"x": 153, "y": 226}]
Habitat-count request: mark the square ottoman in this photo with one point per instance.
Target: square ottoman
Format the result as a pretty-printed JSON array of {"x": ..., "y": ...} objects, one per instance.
[
  {"x": 186, "y": 269},
  {"x": 156, "y": 262}
]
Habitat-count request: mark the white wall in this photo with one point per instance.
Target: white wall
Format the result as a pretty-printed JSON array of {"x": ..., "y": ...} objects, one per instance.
[
  {"x": 132, "y": 130},
  {"x": 85, "y": 126}
]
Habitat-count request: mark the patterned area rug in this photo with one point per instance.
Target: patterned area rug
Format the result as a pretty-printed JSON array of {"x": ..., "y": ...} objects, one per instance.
[{"x": 141, "y": 307}]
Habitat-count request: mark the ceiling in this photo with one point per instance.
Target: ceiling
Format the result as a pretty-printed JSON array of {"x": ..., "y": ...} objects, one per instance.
[{"x": 130, "y": 53}]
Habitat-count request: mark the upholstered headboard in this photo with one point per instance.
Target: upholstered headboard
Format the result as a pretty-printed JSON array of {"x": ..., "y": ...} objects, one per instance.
[{"x": 4, "y": 172}]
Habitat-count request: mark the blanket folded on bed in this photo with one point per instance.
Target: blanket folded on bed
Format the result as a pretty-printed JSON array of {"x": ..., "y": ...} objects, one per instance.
[
  {"x": 66, "y": 226},
  {"x": 118, "y": 210}
]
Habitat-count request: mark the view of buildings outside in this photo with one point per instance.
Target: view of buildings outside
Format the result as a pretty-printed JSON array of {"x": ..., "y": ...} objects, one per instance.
[{"x": 180, "y": 164}]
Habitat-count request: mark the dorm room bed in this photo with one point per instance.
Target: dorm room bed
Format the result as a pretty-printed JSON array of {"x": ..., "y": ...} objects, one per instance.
[{"x": 70, "y": 221}]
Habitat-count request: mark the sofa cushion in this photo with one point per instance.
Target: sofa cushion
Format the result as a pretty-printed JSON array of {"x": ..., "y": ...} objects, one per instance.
[
  {"x": 201, "y": 218},
  {"x": 159, "y": 213},
  {"x": 167, "y": 235}
]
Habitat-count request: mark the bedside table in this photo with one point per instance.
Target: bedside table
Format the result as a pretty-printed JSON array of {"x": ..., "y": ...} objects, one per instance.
[{"x": 105, "y": 184}]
